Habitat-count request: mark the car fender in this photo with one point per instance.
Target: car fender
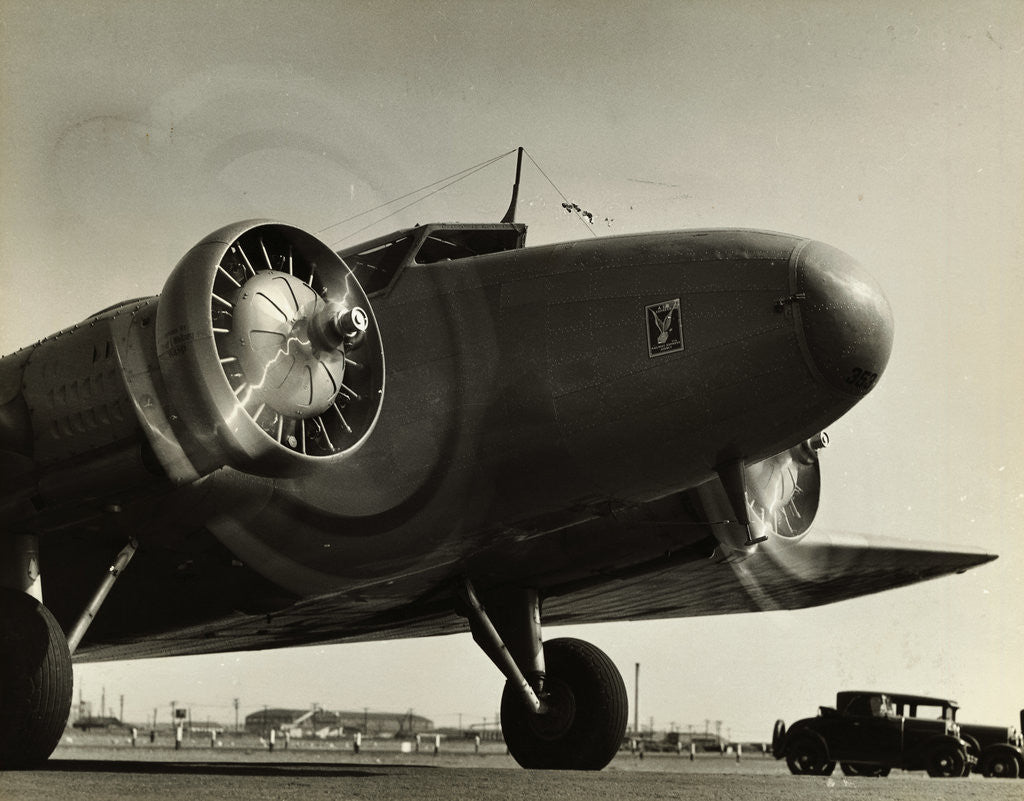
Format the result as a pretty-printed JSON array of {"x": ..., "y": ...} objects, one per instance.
[
  {"x": 973, "y": 745},
  {"x": 779, "y": 739},
  {"x": 787, "y": 735},
  {"x": 927, "y": 746}
]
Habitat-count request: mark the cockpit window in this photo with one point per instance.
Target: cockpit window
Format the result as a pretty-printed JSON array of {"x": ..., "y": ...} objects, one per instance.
[
  {"x": 375, "y": 266},
  {"x": 446, "y": 244}
]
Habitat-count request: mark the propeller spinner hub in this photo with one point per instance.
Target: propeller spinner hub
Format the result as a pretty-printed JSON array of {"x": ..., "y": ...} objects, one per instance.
[{"x": 279, "y": 340}]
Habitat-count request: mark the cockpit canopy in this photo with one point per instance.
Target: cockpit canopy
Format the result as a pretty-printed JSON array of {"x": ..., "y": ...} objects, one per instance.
[{"x": 378, "y": 262}]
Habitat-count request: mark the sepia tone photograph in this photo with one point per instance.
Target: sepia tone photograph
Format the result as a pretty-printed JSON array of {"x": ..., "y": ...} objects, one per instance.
[{"x": 481, "y": 399}]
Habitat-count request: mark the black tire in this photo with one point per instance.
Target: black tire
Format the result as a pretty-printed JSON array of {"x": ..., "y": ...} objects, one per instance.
[
  {"x": 778, "y": 738},
  {"x": 870, "y": 771},
  {"x": 35, "y": 681},
  {"x": 1001, "y": 766},
  {"x": 946, "y": 762},
  {"x": 806, "y": 756},
  {"x": 587, "y": 711}
]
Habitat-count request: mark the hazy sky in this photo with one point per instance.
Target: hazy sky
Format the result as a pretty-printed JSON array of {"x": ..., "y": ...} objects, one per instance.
[{"x": 889, "y": 129}]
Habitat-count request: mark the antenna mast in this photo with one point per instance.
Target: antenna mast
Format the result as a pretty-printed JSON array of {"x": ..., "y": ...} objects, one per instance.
[{"x": 510, "y": 215}]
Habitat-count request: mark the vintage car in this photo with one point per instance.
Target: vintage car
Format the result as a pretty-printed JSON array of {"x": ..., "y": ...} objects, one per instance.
[
  {"x": 999, "y": 750},
  {"x": 865, "y": 733}
]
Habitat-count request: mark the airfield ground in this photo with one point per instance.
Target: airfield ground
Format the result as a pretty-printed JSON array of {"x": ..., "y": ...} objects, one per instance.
[{"x": 94, "y": 768}]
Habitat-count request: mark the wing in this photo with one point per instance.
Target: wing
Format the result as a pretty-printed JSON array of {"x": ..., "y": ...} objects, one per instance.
[{"x": 687, "y": 582}]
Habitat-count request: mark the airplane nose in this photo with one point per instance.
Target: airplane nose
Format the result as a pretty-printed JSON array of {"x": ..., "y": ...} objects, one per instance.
[{"x": 843, "y": 318}]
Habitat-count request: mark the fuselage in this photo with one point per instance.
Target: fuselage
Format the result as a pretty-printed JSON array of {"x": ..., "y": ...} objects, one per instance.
[
  {"x": 523, "y": 384},
  {"x": 525, "y": 388}
]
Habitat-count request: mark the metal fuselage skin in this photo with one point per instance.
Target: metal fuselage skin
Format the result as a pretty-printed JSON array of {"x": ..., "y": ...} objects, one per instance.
[
  {"x": 522, "y": 384},
  {"x": 525, "y": 388}
]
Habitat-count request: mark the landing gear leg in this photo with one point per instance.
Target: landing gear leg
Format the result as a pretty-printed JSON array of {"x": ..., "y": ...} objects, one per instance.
[{"x": 573, "y": 710}]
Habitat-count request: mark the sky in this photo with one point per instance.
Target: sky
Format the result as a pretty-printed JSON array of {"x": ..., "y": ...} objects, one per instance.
[{"x": 890, "y": 129}]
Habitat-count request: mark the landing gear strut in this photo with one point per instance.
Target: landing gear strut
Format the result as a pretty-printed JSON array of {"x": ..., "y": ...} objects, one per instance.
[{"x": 564, "y": 706}]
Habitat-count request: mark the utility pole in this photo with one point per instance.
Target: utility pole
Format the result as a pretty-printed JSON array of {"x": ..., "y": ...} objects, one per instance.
[
  {"x": 636, "y": 701},
  {"x": 121, "y": 719},
  {"x": 236, "y": 714}
]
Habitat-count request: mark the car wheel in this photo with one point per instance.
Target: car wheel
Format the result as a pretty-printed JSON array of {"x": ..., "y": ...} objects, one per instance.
[
  {"x": 806, "y": 756},
  {"x": 1001, "y": 766},
  {"x": 946, "y": 762}
]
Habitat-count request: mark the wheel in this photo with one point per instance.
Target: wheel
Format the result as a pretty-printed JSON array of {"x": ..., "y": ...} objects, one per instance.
[
  {"x": 778, "y": 737},
  {"x": 587, "y": 711},
  {"x": 856, "y": 769},
  {"x": 35, "y": 681},
  {"x": 1001, "y": 766},
  {"x": 946, "y": 761},
  {"x": 806, "y": 756}
]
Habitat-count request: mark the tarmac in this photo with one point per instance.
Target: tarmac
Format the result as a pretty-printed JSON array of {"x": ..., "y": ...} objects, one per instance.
[{"x": 93, "y": 769}]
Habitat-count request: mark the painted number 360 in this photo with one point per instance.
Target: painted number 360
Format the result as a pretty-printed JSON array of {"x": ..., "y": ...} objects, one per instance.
[{"x": 861, "y": 379}]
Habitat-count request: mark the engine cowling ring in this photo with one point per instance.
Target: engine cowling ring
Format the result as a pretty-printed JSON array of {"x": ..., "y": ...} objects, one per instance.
[{"x": 269, "y": 350}]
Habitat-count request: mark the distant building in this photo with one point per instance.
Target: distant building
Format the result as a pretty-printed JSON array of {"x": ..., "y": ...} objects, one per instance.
[
  {"x": 322, "y": 723},
  {"x": 91, "y": 722},
  {"x": 702, "y": 742}
]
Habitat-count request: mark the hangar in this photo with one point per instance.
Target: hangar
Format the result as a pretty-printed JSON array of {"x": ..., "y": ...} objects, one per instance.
[{"x": 319, "y": 722}]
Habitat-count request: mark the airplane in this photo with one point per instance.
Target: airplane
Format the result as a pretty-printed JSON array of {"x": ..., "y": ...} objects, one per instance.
[{"x": 435, "y": 431}]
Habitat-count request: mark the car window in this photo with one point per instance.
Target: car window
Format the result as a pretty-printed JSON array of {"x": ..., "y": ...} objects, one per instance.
[{"x": 879, "y": 706}]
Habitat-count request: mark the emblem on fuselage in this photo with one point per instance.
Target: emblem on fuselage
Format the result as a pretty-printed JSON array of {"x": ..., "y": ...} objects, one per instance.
[{"x": 664, "y": 328}]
